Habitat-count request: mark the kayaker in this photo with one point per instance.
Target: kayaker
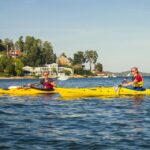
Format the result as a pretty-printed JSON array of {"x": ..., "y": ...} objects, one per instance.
[
  {"x": 47, "y": 83},
  {"x": 137, "y": 80}
]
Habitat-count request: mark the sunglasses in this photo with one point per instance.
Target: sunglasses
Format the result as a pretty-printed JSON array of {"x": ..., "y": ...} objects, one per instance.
[
  {"x": 45, "y": 74},
  {"x": 132, "y": 70}
]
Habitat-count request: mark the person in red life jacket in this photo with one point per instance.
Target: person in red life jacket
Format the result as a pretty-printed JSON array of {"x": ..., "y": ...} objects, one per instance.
[
  {"x": 137, "y": 80},
  {"x": 47, "y": 83}
]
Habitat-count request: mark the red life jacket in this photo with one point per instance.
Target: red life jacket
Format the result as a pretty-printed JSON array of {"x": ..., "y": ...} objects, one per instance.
[{"x": 47, "y": 85}]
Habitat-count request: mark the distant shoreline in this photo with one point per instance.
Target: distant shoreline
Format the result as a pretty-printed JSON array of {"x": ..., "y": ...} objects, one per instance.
[
  {"x": 18, "y": 77},
  {"x": 70, "y": 77},
  {"x": 31, "y": 77}
]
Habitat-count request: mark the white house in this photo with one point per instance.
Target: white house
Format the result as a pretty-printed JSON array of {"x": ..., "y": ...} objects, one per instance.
[
  {"x": 28, "y": 69},
  {"x": 51, "y": 68}
]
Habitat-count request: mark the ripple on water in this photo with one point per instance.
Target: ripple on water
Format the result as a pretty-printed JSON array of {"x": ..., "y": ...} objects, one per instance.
[{"x": 48, "y": 122}]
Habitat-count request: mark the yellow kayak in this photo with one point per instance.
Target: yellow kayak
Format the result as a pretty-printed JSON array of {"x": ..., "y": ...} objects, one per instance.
[
  {"x": 77, "y": 92},
  {"x": 99, "y": 91},
  {"x": 25, "y": 91}
]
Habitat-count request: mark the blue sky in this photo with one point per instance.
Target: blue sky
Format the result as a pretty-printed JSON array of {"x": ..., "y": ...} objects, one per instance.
[{"x": 119, "y": 30}]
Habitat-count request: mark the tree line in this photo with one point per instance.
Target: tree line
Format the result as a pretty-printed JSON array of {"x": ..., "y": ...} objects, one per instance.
[{"x": 35, "y": 52}]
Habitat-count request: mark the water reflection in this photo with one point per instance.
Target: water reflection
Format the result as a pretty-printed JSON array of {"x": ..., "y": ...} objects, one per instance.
[{"x": 138, "y": 99}]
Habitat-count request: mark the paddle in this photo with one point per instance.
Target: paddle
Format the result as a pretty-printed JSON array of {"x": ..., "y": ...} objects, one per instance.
[
  {"x": 118, "y": 87},
  {"x": 14, "y": 87},
  {"x": 26, "y": 85},
  {"x": 63, "y": 78},
  {"x": 23, "y": 86},
  {"x": 18, "y": 87}
]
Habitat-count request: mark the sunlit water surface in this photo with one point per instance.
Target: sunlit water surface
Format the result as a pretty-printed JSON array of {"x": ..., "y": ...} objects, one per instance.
[{"x": 48, "y": 122}]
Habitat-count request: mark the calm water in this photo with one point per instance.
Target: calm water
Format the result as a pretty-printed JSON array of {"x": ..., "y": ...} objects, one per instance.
[{"x": 48, "y": 122}]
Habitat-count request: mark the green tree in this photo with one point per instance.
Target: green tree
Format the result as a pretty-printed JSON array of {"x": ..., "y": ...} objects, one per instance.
[
  {"x": 18, "y": 67},
  {"x": 24, "y": 59},
  {"x": 82, "y": 71},
  {"x": 54, "y": 71},
  {"x": 8, "y": 44},
  {"x": 34, "y": 57},
  {"x": 10, "y": 69},
  {"x": 66, "y": 72},
  {"x": 11, "y": 66},
  {"x": 63, "y": 54},
  {"x": 33, "y": 51},
  {"x": 20, "y": 44},
  {"x": 38, "y": 53},
  {"x": 91, "y": 57},
  {"x": 47, "y": 54},
  {"x": 4, "y": 62},
  {"x": 70, "y": 60},
  {"x": 2, "y": 47},
  {"x": 79, "y": 58},
  {"x": 7, "y": 65},
  {"x": 29, "y": 40},
  {"x": 99, "y": 67}
]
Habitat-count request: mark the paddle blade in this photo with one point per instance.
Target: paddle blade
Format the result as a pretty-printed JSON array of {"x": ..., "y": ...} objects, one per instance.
[
  {"x": 129, "y": 74},
  {"x": 14, "y": 87}
]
